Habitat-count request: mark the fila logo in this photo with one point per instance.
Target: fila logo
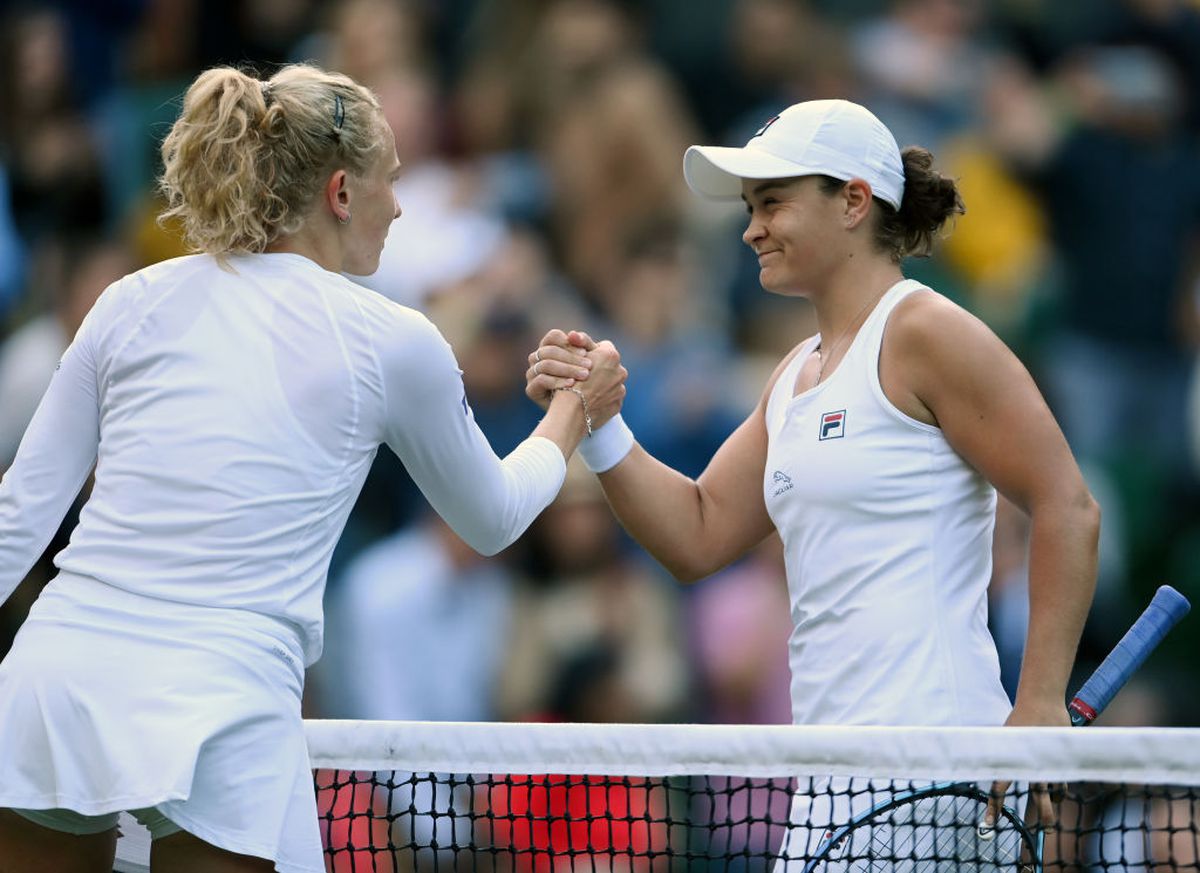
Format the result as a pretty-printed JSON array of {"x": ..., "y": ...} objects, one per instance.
[
  {"x": 833, "y": 425},
  {"x": 783, "y": 482},
  {"x": 763, "y": 129}
]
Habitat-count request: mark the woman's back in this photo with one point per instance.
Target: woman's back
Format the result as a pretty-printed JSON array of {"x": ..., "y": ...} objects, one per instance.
[{"x": 239, "y": 412}]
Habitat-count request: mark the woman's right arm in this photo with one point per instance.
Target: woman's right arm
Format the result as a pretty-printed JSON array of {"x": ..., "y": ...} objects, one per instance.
[
  {"x": 486, "y": 500},
  {"x": 691, "y": 527},
  {"x": 695, "y": 527}
]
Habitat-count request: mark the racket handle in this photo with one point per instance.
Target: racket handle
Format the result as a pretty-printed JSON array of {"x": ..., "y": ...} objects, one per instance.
[{"x": 1164, "y": 611}]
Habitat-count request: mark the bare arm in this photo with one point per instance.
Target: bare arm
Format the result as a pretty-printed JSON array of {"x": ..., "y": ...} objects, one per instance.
[
  {"x": 695, "y": 527},
  {"x": 692, "y": 527},
  {"x": 943, "y": 365}
]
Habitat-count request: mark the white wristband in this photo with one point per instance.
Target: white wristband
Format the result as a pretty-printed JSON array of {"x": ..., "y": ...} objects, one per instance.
[{"x": 607, "y": 446}]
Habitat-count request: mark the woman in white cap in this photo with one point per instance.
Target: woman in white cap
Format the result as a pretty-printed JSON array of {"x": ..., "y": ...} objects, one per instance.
[
  {"x": 876, "y": 448},
  {"x": 232, "y": 402}
]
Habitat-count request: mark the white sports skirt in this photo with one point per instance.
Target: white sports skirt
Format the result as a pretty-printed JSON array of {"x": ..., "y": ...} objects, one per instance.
[{"x": 110, "y": 701}]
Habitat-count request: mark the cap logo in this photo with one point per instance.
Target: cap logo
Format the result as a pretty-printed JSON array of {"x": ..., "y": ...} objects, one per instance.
[{"x": 763, "y": 129}]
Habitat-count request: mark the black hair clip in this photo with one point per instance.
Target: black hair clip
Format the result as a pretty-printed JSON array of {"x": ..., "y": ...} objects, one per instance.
[{"x": 339, "y": 112}]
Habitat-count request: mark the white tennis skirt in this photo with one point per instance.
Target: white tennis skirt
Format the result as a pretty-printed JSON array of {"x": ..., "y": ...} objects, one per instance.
[{"x": 111, "y": 701}]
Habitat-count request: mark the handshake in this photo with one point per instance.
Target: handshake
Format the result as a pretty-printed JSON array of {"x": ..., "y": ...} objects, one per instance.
[{"x": 575, "y": 362}]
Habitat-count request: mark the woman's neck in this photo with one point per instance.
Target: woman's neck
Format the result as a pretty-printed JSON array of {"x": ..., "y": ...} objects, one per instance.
[
  {"x": 322, "y": 248},
  {"x": 849, "y": 297}
]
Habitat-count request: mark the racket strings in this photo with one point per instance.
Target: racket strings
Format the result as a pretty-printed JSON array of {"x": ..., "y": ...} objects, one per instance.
[{"x": 930, "y": 835}]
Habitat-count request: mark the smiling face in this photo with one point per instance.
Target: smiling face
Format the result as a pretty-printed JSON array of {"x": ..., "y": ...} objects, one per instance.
[
  {"x": 372, "y": 207},
  {"x": 797, "y": 231}
]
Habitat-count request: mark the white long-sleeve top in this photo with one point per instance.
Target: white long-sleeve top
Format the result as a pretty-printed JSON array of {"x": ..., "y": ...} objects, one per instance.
[{"x": 232, "y": 415}]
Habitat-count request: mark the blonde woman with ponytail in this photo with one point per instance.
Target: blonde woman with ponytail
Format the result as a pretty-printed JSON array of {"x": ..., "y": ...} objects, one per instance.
[{"x": 231, "y": 402}]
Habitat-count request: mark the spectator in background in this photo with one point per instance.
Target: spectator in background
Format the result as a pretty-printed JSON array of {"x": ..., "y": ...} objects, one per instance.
[
  {"x": 738, "y": 626},
  {"x": 374, "y": 39},
  {"x": 1000, "y": 257},
  {"x": 454, "y": 237},
  {"x": 158, "y": 59},
  {"x": 418, "y": 628},
  {"x": 595, "y": 639},
  {"x": 266, "y": 32},
  {"x": 1117, "y": 353},
  {"x": 587, "y": 611},
  {"x": 610, "y": 126},
  {"x": 51, "y": 156},
  {"x": 683, "y": 400},
  {"x": 1118, "y": 365},
  {"x": 921, "y": 64}
]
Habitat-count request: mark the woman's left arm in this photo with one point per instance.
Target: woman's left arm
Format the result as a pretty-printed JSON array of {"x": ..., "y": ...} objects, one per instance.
[{"x": 943, "y": 365}]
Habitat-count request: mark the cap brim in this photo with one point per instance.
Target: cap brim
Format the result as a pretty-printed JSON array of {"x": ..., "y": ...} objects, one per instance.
[{"x": 717, "y": 172}]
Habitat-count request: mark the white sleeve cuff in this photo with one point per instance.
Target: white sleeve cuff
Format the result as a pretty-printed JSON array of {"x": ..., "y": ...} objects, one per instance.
[{"x": 607, "y": 446}]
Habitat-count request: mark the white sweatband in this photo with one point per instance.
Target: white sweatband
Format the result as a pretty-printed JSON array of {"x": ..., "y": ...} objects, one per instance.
[{"x": 607, "y": 446}]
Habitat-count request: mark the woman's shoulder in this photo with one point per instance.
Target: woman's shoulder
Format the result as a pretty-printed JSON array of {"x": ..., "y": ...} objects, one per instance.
[
  {"x": 404, "y": 339},
  {"x": 924, "y": 320},
  {"x": 932, "y": 343},
  {"x": 386, "y": 317},
  {"x": 126, "y": 299},
  {"x": 153, "y": 274}
]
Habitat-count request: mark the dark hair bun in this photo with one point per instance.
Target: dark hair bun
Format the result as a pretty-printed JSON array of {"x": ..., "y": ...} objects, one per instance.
[{"x": 930, "y": 199}]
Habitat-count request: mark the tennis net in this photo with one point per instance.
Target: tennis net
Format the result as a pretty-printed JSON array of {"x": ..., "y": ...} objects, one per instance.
[{"x": 547, "y": 798}]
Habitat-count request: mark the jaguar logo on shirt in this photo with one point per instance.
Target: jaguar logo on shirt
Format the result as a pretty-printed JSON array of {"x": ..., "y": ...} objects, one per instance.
[
  {"x": 783, "y": 482},
  {"x": 833, "y": 425}
]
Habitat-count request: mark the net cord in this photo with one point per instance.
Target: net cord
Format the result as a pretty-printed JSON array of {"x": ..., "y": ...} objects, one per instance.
[{"x": 1152, "y": 756}]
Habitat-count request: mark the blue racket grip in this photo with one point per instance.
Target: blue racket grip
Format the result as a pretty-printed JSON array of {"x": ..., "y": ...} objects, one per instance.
[{"x": 1164, "y": 611}]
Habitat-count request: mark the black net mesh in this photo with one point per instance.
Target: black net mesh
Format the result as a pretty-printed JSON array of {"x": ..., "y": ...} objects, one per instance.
[{"x": 399, "y": 821}]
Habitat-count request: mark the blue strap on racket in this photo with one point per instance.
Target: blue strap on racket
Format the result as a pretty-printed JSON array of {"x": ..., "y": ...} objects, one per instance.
[{"x": 1164, "y": 611}]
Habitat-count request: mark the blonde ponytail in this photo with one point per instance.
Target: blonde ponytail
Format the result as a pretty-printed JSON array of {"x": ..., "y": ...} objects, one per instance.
[{"x": 246, "y": 157}]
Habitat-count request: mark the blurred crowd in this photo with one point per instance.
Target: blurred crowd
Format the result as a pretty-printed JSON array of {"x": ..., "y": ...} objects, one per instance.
[{"x": 542, "y": 143}]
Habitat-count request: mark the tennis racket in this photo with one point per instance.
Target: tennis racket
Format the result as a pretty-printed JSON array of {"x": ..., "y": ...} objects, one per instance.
[{"x": 939, "y": 826}]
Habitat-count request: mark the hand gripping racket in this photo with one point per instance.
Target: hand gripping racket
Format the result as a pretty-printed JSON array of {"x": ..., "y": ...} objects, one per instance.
[{"x": 937, "y": 827}]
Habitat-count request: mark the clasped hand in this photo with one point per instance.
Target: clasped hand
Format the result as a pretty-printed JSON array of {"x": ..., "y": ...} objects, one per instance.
[{"x": 574, "y": 360}]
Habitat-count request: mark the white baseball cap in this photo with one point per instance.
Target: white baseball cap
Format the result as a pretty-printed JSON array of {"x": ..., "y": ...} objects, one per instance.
[{"x": 818, "y": 137}]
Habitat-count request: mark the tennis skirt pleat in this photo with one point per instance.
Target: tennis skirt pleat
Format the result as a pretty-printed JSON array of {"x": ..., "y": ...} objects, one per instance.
[{"x": 111, "y": 701}]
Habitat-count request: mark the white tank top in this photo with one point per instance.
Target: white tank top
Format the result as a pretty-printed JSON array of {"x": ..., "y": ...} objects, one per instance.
[{"x": 888, "y": 542}]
